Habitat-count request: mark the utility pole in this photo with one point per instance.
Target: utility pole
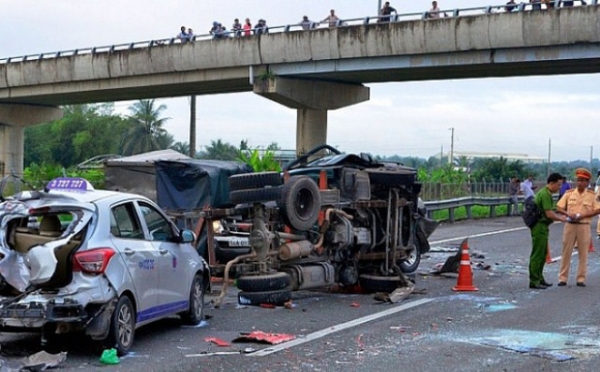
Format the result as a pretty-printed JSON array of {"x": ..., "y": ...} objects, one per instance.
[
  {"x": 451, "y": 159},
  {"x": 193, "y": 127},
  {"x": 591, "y": 158},
  {"x": 378, "y": 7},
  {"x": 442, "y": 155},
  {"x": 549, "y": 155}
]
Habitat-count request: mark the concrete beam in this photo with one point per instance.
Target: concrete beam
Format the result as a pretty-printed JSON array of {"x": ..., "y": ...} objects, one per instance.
[
  {"x": 26, "y": 115},
  {"x": 13, "y": 119},
  {"x": 311, "y": 99},
  {"x": 311, "y": 94}
]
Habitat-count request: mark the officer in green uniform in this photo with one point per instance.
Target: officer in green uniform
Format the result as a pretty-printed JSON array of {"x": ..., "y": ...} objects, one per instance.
[{"x": 539, "y": 232}]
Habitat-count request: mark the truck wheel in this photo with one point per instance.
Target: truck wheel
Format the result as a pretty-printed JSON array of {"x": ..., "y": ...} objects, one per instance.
[
  {"x": 377, "y": 283},
  {"x": 254, "y": 180},
  {"x": 269, "y": 297},
  {"x": 195, "y": 312},
  {"x": 260, "y": 283},
  {"x": 122, "y": 326},
  {"x": 411, "y": 263},
  {"x": 300, "y": 202},
  {"x": 255, "y": 195}
]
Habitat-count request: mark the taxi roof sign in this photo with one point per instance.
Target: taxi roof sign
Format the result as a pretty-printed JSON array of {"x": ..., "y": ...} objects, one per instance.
[{"x": 69, "y": 184}]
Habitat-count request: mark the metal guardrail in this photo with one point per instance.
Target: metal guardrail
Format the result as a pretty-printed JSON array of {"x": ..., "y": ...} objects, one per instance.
[
  {"x": 468, "y": 202},
  {"x": 490, "y": 9}
]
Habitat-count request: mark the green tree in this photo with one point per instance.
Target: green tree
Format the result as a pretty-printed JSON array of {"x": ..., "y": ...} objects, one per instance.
[
  {"x": 146, "y": 132},
  {"x": 181, "y": 147},
  {"x": 219, "y": 150}
]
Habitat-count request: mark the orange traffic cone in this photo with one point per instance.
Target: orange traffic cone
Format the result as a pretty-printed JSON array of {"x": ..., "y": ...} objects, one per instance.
[
  {"x": 591, "y": 249},
  {"x": 465, "y": 274},
  {"x": 548, "y": 256}
]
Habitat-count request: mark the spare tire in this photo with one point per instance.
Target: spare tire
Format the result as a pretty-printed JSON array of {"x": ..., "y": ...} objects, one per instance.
[
  {"x": 300, "y": 202},
  {"x": 254, "y": 180},
  {"x": 255, "y": 195},
  {"x": 261, "y": 283},
  {"x": 270, "y": 297}
]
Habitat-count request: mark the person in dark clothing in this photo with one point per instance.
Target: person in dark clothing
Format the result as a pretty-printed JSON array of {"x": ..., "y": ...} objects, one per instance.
[{"x": 386, "y": 11}]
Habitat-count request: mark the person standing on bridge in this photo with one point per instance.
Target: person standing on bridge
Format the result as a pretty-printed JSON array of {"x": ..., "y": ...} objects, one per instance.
[
  {"x": 510, "y": 6},
  {"x": 540, "y": 231},
  {"x": 331, "y": 18},
  {"x": 385, "y": 12},
  {"x": 247, "y": 27},
  {"x": 579, "y": 205},
  {"x": 237, "y": 27},
  {"x": 434, "y": 12}
]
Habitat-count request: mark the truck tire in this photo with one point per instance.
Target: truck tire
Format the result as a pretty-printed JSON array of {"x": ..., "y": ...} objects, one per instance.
[
  {"x": 262, "y": 283},
  {"x": 254, "y": 180},
  {"x": 255, "y": 195},
  {"x": 300, "y": 202},
  {"x": 377, "y": 283},
  {"x": 269, "y": 297},
  {"x": 411, "y": 263}
]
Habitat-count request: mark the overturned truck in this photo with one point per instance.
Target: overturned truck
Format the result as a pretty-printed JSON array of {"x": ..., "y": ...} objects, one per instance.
[{"x": 334, "y": 219}]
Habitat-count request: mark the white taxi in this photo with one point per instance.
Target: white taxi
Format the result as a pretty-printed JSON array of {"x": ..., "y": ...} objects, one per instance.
[{"x": 77, "y": 259}]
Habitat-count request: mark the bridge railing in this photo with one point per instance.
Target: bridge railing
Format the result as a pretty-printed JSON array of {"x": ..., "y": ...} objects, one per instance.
[{"x": 287, "y": 28}]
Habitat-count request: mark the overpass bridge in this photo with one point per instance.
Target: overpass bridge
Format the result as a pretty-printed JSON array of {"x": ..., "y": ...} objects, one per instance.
[{"x": 311, "y": 71}]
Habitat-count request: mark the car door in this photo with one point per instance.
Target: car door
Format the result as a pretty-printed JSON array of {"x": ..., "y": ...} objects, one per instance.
[
  {"x": 140, "y": 256},
  {"x": 174, "y": 280}
]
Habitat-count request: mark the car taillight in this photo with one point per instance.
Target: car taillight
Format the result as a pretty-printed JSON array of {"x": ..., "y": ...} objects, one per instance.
[{"x": 93, "y": 261}]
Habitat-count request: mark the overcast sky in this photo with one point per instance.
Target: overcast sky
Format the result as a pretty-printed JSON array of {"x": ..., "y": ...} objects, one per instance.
[{"x": 508, "y": 115}]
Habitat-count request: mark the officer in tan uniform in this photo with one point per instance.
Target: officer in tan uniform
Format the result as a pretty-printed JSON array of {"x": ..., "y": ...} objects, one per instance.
[{"x": 579, "y": 204}]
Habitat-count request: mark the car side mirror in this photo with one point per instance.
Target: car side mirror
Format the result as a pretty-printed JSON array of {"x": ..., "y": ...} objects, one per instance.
[{"x": 187, "y": 236}]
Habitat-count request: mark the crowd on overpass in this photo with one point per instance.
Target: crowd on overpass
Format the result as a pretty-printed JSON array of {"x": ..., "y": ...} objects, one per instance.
[{"x": 218, "y": 30}]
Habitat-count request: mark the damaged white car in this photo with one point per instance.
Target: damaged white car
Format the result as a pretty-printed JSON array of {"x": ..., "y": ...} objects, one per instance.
[{"x": 77, "y": 259}]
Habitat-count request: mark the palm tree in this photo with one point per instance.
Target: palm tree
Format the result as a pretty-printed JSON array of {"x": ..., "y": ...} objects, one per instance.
[
  {"x": 181, "y": 147},
  {"x": 147, "y": 132},
  {"x": 219, "y": 150}
]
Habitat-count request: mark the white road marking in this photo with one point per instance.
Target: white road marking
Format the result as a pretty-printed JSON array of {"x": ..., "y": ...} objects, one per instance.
[
  {"x": 339, "y": 327},
  {"x": 479, "y": 235}
]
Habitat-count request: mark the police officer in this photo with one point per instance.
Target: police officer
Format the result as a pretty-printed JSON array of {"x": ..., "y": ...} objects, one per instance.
[
  {"x": 579, "y": 204},
  {"x": 540, "y": 231}
]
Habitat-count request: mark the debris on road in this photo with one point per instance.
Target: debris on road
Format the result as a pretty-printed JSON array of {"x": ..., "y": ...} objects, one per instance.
[
  {"x": 354, "y": 304},
  {"x": 260, "y": 336},
  {"x": 398, "y": 295},
  {"x": 109, "y": 356},
  {"x": 217, "y": 341},
  {"x": 39, "y": 361}
]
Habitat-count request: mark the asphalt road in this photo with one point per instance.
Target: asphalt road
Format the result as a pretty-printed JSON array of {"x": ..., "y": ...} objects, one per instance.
[{"x": 504, "y": 326}]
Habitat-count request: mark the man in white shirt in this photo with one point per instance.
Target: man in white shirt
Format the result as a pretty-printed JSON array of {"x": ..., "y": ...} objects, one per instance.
[{"x": 527, "y": 187}]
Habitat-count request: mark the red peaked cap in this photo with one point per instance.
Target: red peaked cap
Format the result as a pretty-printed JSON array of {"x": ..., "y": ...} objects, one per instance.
[{"x": 583, "y": 173}]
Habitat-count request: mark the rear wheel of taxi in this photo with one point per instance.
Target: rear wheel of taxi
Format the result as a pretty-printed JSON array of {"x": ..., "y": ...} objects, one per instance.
[
  {"x": 122, "y": 327},
  {"x": 195, "y": 312}
]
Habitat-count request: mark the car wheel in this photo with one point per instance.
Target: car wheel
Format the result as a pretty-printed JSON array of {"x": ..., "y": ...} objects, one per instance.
[
  {"x": 260, "y": 283},
  {"x": 254, "y": 180},
  {"x": 255, "y": 195},
  {"x": 269, "y": 297},
  {"x": 377, "y": 283},
  {"x": 412, "y": 261},
  {"x": 122, "y": 327},
  {"x": 195, "y": 312},
  {"x": 300, "y": 202}
]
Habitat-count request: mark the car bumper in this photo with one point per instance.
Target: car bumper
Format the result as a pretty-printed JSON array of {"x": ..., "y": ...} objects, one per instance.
[{"x": 69, "y": 305}]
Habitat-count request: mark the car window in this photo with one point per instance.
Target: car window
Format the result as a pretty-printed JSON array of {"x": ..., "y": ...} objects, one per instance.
[
  {"x": 160, "y": 228},
  {"x": 124, "y": 223}
]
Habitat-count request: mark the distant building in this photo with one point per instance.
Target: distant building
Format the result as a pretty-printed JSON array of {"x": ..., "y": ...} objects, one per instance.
[{"x": 471, "y": 155}]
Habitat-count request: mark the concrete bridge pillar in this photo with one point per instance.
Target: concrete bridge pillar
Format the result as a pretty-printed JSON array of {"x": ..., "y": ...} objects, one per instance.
[
  {"x": 311, "y": 99},
  {"x": 13, "y": 119}
]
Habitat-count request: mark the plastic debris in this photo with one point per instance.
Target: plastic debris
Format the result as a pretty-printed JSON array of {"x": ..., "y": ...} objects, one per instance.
[
  {"x": 270, "y": 338},
  {"x": 217, "y": 341},
  {"x": 109, "y": 356},
  {"x": 354, "y": 304},
  {"x": 42, "y": 360}
]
